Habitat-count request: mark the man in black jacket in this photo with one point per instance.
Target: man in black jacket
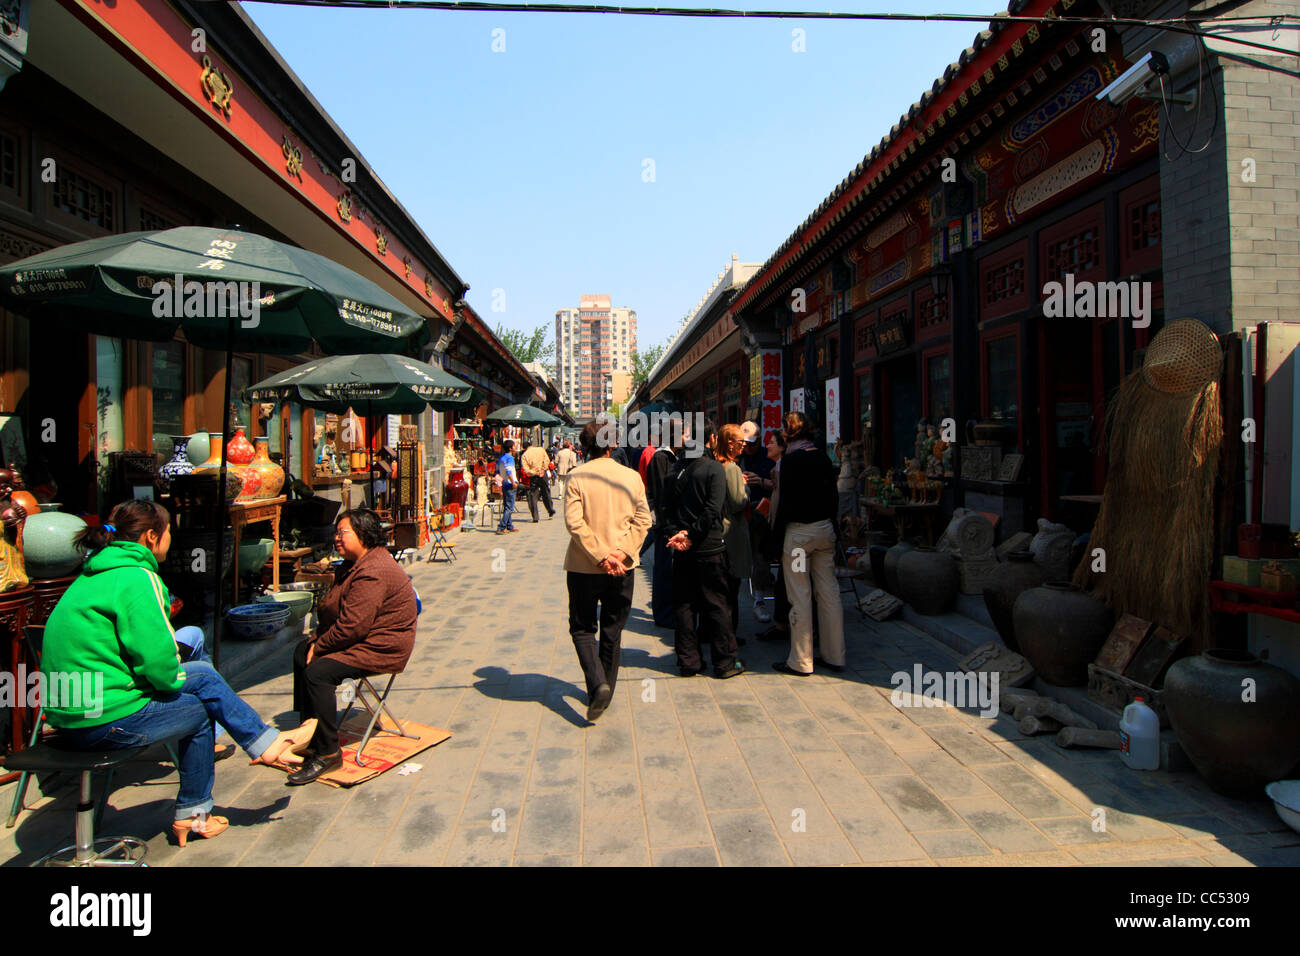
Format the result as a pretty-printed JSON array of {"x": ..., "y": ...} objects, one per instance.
[
  {"x": 696, "y": 498},
  {"x": 657, "y": 473}
]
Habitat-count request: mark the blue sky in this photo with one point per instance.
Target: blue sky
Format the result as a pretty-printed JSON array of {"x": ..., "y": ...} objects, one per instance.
[{"x": 525, "y": 167}]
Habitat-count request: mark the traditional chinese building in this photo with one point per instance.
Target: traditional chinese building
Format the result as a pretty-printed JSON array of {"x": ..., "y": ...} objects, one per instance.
[{"x": 143, "y": 115}]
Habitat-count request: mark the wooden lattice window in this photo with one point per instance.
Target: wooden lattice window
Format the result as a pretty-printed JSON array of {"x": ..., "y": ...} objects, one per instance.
[
  {"x": 1006, "y": 281},
  {"x": 1144, "y": 225},
  {"x": 84, "y": 198},
  {"x": 933, "y": 311},
  {"x": 10, "y": 162},
  {"x": 151, "y": 221},
  {"x": 1077, "y": 253}
]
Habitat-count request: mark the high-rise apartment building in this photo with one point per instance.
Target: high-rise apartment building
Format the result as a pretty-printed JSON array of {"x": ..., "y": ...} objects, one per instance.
[{"x": 593, "y": 354}]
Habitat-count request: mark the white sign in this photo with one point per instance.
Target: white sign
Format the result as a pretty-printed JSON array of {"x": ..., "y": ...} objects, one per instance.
[
  {"x": 832, "y": 410},
  {"x": 796, "y": 400}
]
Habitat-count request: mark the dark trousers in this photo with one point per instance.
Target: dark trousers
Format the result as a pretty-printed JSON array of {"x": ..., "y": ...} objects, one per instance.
[
  {"x": 700, "y": 587},
  {"x": 614, "y": 595},
  {"x": 733, "y": 602},
  {"x": 661, "y": 583},
  {"x": 537, "y": 485},
  {"x": 313, "y": 694}
]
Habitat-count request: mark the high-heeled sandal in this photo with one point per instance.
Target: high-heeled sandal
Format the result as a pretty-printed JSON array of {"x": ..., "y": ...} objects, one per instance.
[
  {"x": 211, "y": 826},
  {"x": 289, "y": 742}
]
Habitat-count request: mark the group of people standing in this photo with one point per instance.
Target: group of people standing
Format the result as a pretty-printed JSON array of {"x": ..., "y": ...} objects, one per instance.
[{"x": 719, "y": 518}]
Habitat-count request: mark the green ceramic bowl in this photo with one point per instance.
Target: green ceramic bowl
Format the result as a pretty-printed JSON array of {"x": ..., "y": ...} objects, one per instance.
[
  {"x": 299, "y": 601},
  {"x": 253, "y": 555}
]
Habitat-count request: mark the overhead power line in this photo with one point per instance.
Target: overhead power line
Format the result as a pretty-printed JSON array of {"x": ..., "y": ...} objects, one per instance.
[{"x": 1187, "y": 24}]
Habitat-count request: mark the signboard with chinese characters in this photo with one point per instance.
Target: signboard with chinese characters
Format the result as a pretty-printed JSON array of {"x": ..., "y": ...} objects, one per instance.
[
  {"x": 832, "y": 410},
  {"x": 765, "y": 389},
  {"x": 891, "y": 334},
  {"x": 796, "y": 400}
]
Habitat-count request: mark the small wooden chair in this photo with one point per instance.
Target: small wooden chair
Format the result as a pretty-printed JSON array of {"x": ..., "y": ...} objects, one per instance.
[{"x": 438, "y": 539}]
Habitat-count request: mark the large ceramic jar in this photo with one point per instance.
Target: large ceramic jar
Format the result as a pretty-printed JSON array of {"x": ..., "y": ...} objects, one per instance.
[
  {"x": 892, "y": 557},
  {"x": 928, "y": 580},
  {"x": 271, "y": 475},
  {"x": 457, "y": 487},
  {"x": 1060, "y": 629},
  {"x": 240, "y": 450},
  {"x": 249, "y": 482},
  {"x": 1237, "y": 718},
  {"x": 198, "y": 449},
  {"x": 213, "y": 464},
  {"x": 49, "y": 550},
  {"x": 1008, "y": 581},
  {"x": 179, "y": 463}
]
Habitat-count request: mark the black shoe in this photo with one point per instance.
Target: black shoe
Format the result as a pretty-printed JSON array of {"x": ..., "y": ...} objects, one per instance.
[
  {"x": 315, "y": 766},
  {"x": 774, "y": 634},
  {"x": 687, "y": 672},
  {"x": 781, "y": 667},
  {"x": 599, "y": 701},
  {"x": 222, "y": 751},
  {"x": 735, "y": 670},
  {"x": 740, "y": 642},
  {"x": 837, "y": 668}
]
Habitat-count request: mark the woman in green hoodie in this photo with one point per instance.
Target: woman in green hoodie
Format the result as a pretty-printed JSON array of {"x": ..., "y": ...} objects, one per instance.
[{"x": 110, "y": 639}]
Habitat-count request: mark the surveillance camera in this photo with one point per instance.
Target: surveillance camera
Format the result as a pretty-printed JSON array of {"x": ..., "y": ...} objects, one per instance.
[{"x": 1135, "y": 78}]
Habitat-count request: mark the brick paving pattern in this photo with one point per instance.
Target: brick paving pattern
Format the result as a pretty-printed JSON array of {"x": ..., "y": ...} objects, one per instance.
[{"x": 762, "y": 769}]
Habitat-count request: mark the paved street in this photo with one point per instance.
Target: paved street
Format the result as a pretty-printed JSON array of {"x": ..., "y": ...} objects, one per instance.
[{"x": 759, "y": 770}]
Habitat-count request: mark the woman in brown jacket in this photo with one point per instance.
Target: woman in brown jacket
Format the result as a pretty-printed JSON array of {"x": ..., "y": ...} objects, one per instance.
[{"x": 366, "y": 625}]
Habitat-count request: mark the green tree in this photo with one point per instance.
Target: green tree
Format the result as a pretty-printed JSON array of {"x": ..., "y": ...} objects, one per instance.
[
  {"x": 529, "y": 347},
  {"x": 643, "y": 362}
]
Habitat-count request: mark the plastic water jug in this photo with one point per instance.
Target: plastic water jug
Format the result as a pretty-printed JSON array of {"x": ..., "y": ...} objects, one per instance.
[{"x": 1139, "y": 735}]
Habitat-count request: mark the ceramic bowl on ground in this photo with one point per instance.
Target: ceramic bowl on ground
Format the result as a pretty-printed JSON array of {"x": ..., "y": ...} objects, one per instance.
[
  {"x": 253, "y": 555},
  {"x": 317, "y": 589},
  {"x": 1285, "y": 795},
  {"x": 299, "y": 602},
  {"x": 258, "y": 622}
]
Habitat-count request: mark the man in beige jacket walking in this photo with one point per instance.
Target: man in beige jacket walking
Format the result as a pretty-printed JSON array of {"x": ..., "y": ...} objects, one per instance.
[{"x": 607, "y": 516}]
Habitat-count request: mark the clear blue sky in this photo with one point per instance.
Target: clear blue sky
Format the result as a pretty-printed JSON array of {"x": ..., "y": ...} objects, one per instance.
[{"x": 524, "y": 167}]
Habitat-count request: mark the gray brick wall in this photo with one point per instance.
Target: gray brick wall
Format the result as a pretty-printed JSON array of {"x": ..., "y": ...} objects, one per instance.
[
  {"x": 1194, "y": 218},
  {"x": 1262, "y": 113}
]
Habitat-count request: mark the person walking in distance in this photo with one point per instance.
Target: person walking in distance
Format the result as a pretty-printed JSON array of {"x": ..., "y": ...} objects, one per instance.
[
  {"x": 536, "y": 464},
  {"x": 807, "y": 498},
  {"x": 695, "y": 531},
  {"x": 606, "y": 514},
  {"x": 565, "y": 461},
  {"x": 509, "y": 480}
]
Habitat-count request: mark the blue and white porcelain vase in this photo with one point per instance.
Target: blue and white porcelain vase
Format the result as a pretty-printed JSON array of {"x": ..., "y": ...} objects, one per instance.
[{"x": 180, "y": 463}]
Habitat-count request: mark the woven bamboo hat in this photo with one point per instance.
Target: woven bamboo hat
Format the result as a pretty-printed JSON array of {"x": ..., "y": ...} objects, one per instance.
[{"x": 1184, "y": 357}]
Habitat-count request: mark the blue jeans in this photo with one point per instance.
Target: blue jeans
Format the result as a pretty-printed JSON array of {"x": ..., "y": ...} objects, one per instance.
[
  {"x": 507, "y": 508},
  {"x": 192, "y": 637},
  {"x": 189, "y": 715}
]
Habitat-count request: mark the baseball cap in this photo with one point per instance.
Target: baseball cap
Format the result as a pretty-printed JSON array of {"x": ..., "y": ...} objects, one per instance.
[{"x": 749, "y": 430}]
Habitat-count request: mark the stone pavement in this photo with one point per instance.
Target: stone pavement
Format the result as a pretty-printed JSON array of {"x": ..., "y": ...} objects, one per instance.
[{"x": 762, "y": 769}]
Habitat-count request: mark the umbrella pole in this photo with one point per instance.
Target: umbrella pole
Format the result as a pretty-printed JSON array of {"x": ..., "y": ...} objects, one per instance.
[{"x": 217, "y": 618}]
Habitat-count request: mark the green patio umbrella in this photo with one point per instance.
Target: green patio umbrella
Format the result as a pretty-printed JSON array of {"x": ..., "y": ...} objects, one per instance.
[
  {"x": 522, "y": 415},
  {"x": 128, "y": 286},
  {"x": 382, "y": 384},
  {"x": 224, "y": 288}
]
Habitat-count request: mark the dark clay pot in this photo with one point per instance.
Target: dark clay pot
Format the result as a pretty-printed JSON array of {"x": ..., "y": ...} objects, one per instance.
[
  {"x": 1011, "y": 579},
  {"x": 1237, "y": 745},
  {"x": 878, "y": 552},
  {"x": 1060, "y": 629},
  {"x": 928, "y": 580},
  {"x": 892, "y": 557}
]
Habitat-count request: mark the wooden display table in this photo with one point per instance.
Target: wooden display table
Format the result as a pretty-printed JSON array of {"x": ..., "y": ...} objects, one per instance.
[
  {"x": 46, "y": 594},
  {"x": 14, "y": 608},
  {"x": 899, "y": 513},
  {"x": 248, "y": 512}
]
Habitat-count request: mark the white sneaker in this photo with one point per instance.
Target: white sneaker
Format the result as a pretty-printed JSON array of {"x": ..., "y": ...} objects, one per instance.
[{"x": 762, "y": 614}]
